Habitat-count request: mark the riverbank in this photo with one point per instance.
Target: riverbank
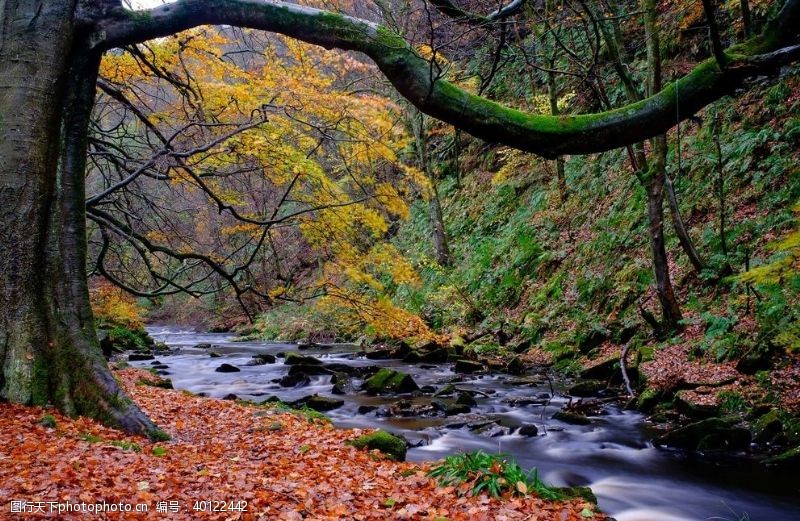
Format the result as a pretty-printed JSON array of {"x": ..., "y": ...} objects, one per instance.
[{"x": 283, "y": 465}]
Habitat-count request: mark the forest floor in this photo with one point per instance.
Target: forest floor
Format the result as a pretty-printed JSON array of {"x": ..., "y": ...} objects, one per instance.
[{"x": 281, "y": 465}]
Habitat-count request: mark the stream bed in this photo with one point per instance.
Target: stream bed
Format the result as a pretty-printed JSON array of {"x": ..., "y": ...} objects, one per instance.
[{"x": 633, "y": 480}]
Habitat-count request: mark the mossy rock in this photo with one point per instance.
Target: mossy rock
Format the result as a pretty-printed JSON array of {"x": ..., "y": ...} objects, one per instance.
[
  {"x": 587, "y": 388},
  {"x": 787, "y": 458},
  {"x": 389, "y": 444},
  {"x": 767, "y": 427},
  {"x": 451, "y": 409},
  {"x": 648, "y": 400},
  {"x": 692, "y": 409},
  {"x": 293, "y": 358},
  {"x": 708, "y": 434},
  {"x": 577, "y": 492},
  {"x": 320, "y": 403},
  {"x": 389, "y": 381}
]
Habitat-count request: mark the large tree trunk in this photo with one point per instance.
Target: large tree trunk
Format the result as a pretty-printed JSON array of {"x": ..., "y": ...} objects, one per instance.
[{"x": 49, "y": 352}]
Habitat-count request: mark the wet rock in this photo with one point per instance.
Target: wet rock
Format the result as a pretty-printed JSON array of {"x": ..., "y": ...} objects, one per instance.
[
  {"x": 389, "y": 381},
  {"x": 466, "y": 399},
  {"x": 427, "y": 389},
  {"x": 213, "y": 354},
  {"x": 203, "y": 346},
  {"x": 789, "y": 458},
  {"x": 366, "y": 409},
  {"x": 436, "y": 356},
  {"x": 528, "y": 429},
  {"x": 160, "y": 366},
  {"x": 309, "y": 369},
  {"x": 455, "y": 425},
  {"x": 262, "y": 359},
  {"x": 294, "y": 380},
  {"x": 515, "y": 366},
  {"x": 137, "y": 357},
  {"x": 587, "y": 388},
  {"x": 293, "y": 358},
  {"x": 162, "y": 372},
  {"x": 710, "y": 434},
  {"x": 227, "y": 368},
  {"x": 478, "y": 425},
  {"x": 307, "y": 345},
  {"x": 231, "y": 397},
  {"x": 767, "y": 427},
  {"x": 468, "y": 366},
  {"x": 571, "y": 417},
  {"x": 495, "y": 431},
  {"x": 446, "y": 390},
  {"x": 320, "y": 403},
  {"x": 522, "y": 402},
  {"x": 450, "y": 409}
]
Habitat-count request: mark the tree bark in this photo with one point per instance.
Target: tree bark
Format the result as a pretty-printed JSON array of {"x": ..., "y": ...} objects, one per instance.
[
  {"x": 654, "y": 185},
  {"x": 49, "y": 350},
  {"x": 680, "y": 229},
  {"x": 440, "y": 242}
]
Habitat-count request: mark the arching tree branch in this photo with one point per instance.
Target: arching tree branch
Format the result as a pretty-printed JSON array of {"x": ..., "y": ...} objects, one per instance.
[{"x": 548, "y": 136}]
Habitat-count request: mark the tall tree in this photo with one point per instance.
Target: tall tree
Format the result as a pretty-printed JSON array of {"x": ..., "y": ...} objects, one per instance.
[{"x": 50, "y": 54}]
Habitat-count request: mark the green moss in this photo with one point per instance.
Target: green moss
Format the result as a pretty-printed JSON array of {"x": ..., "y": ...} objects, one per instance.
[
  {"x": 127, "y": 445},
  {"x": 159, "y": 451},
  {"x": 384, "y": 442},
  {"x": 158, "y": 435},
  {"x": 388, "y": 380},
  {"x": 48, "y": 420}
]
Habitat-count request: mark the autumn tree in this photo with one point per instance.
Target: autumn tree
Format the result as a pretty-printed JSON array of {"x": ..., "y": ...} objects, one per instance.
[{"x": 51, "y": 53}]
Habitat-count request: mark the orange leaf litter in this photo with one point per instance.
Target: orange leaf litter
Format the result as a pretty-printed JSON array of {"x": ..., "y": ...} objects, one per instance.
[{"x": 223, "y": 454}]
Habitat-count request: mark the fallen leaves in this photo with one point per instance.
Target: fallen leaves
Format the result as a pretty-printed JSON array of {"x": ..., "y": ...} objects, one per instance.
[{"x": 224, "y": 452}]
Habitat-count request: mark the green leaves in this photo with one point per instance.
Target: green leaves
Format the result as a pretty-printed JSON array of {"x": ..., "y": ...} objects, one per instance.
[{"x": 496, "y": 474}]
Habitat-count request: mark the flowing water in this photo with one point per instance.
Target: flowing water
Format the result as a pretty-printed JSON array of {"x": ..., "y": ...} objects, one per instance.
[{"x": 633, "y": 480}]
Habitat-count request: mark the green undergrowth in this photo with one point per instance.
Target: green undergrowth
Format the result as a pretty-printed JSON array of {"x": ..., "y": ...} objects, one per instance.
[{"x": 493, "y": 474}]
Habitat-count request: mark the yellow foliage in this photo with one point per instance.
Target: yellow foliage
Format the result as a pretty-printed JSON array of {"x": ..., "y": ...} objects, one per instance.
[{"x": 111, "y": 305}]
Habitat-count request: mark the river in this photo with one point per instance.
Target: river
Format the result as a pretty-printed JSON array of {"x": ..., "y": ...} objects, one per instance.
[{"x": 633, "y": 480}]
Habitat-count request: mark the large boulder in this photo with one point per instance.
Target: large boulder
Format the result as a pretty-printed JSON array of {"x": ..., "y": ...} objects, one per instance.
[{"x": 389, "y": 381}]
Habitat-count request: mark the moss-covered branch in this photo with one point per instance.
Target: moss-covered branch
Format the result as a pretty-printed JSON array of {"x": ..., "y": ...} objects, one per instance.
[{"x": 545, "y": 135}]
